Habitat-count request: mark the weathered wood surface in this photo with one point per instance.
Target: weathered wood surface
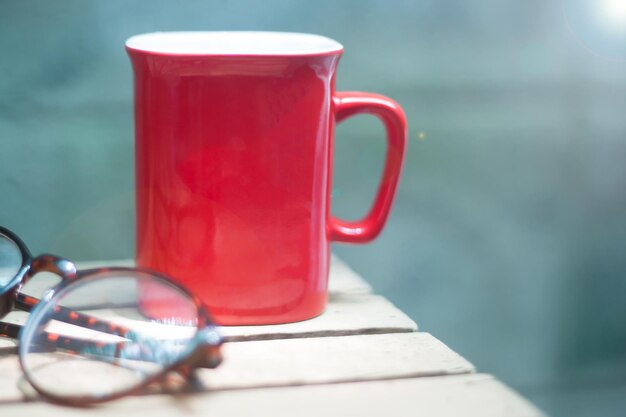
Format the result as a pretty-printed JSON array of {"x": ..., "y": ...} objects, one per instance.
[
  {"x": 10, "y": 377},
  {"x": 350, "y": 314},
  {"x": 308, "y": 361},
  {"x": 457, "y": 396},
  {"x": 361, "y": 357},
  {"x": 332, "y": 360},
  {"x": 343, "y": 280}
]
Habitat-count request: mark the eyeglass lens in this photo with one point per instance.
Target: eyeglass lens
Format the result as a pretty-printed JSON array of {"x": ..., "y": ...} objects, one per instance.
[
  {"x": 129, "y": 326},
  {"x": 10, "y": 259}
]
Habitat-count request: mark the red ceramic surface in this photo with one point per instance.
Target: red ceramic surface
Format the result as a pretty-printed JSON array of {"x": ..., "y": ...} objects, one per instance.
[{"x": 233, "y": 170}]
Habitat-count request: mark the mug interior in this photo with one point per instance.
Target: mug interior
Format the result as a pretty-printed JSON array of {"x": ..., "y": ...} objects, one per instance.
[{"x": 233, "y": 43}]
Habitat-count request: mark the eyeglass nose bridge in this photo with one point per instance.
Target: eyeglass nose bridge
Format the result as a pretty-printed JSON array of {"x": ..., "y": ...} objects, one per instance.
[{"x": 51, "y": 263}]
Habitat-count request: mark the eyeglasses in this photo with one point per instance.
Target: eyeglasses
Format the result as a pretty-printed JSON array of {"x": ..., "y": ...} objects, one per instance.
[{"x": 101, "y": 333}]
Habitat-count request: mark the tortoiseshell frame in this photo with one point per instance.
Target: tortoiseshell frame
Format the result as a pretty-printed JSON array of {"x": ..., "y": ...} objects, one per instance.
[
  {"x": 206, "y": 354},
  {"x": 10, "y": 296}
]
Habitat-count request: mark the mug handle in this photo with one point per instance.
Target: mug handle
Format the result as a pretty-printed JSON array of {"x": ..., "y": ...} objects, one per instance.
[{"x": 348, "y": 104}]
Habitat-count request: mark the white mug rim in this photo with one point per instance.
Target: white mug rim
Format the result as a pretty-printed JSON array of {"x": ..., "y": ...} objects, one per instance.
[{"x": 233, "y": 43}]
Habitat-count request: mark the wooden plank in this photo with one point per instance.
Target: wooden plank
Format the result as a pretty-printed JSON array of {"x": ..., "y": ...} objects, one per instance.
[
  {"x": 343, "y": 280},
  {"x": 310, "y": 361},
  {"x": 333, "y": 359},
  {"x": 459, "y": 396},
  {"x": 10, "y": 375},
  {"x": 350, "y": 314}
]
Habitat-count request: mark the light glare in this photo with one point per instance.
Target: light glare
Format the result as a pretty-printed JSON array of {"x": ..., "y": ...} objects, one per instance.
[{"x": 614, "y": 11}]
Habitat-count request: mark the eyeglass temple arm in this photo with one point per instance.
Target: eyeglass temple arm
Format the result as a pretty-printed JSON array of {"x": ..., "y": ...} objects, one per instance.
[
  {"x": 66, "y": 270},
  {"x": 207, "y": 355},
  {"x": 10, "y": 329},
  {"x": 25, "y": 303},
  {"x": 69, "y": 343}
]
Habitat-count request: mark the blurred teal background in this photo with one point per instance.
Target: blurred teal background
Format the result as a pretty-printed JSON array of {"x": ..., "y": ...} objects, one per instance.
[{"x": 508, "y": 238}]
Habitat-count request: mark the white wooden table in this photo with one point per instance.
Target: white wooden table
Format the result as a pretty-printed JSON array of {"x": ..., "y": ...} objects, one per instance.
[{"x": 362, "y": 357}]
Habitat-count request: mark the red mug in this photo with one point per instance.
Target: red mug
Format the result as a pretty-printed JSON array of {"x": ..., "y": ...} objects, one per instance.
[{"x": 233, "y": 142}]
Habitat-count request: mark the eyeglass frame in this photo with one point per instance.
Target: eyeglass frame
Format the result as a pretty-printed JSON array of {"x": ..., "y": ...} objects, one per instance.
[{"x": 206, "y": 353}]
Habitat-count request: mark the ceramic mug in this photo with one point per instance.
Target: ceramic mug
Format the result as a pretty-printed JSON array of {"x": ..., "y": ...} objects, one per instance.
[{"x": 234, "y": 139}]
